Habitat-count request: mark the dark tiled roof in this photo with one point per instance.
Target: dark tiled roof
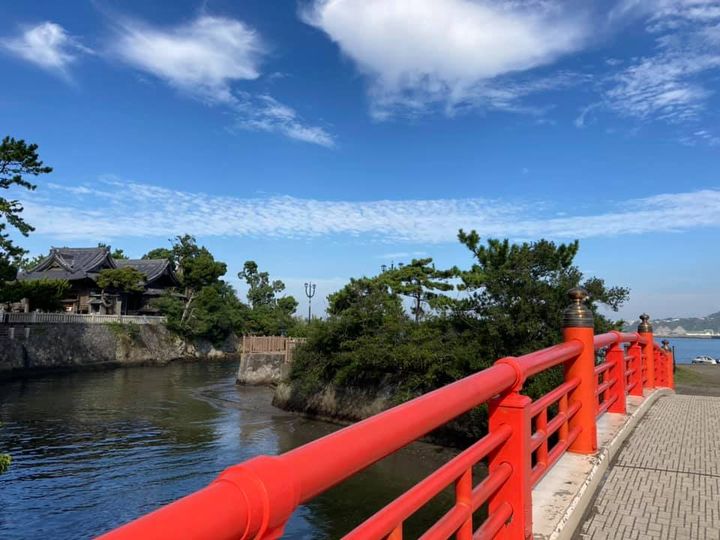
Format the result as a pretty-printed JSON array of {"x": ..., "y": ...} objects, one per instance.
[
  {"x": 71, "y": 264},
  {"x": 152, "y": 268},
  {"x": 86, "y": 263}
]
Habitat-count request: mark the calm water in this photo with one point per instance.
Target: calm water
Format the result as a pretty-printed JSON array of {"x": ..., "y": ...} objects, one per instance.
[
  {"x": 93, "y": 450},
  {"x": 687, "y": 349}
]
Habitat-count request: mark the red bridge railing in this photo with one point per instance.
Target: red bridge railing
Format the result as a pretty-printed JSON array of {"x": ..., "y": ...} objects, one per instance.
[{"x": 255, "y": 499}]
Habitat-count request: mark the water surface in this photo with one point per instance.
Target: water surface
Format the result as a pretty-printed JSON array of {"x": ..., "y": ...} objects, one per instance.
[
  {"x": 688, "y": 348},
  {"x": 94, "y": 450}
]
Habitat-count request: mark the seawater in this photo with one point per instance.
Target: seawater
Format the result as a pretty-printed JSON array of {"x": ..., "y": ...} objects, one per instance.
[
  {"x": 688, "y": 348},
  {"x": 94, "y": 450}
]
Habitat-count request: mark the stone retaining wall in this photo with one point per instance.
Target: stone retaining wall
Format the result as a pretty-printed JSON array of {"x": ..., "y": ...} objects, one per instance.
[
  {"x": 70, "y": 347},
  {"x": 262, "y": 368}
]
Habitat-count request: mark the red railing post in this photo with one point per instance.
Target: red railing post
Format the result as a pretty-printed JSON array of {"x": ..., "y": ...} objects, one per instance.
[
  {"x": 578, "y": 326},
  {"x": 635, "y": 351},
  {"x": 660, "y": 375},
  {"x": 670, "y": 364},
  {"x": 645, "y": 330},
  {"x": 513, "y": 409},
  {"x": 616, "y": 357}
]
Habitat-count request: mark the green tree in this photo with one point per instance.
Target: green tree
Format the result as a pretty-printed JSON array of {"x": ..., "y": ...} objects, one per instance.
[
  {"x": 28, "y": 263},
  {"x": 120, "y": 280},
  {"x": 18, "y": 160},
  {"x": 261, "y": 291},
  {"x": 511, "y": 302},
  {"x": 422, "y": 283},
  {"x": 271, "y": 314},
  {"x": 209, "y": 307},
  {"x": 43, "y": 294},
  {"x": 516, "y": 293},
  {"x": 124, "y": 280},
  {"x": 196, "y": 268},
  {"x": 216, "y": 313},
  {"x": 117, "y": 253},
  {"x": 359, "y": 342},
  {"x": 160, "y": 253}
]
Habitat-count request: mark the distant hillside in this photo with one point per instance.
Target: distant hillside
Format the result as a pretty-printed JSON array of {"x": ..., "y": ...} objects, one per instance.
[{"x": 683, "y": 325}]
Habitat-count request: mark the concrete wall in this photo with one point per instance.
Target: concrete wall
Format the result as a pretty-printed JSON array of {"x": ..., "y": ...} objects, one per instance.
[
  {"x": 67, "y": 347},
  {"x": 262, "y": 368}
]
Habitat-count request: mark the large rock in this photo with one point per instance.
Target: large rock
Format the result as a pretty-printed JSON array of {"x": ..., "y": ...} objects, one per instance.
[{"x": 350, "y": 404}]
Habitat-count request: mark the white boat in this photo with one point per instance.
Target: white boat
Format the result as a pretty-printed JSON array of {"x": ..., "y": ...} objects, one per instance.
[{"x": 704, "y": 359}]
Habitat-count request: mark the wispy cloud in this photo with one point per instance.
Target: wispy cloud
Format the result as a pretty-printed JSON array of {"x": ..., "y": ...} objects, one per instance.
[
  {"x": 48, "y": 46},
  {"x": 265, "y": 113},
  {"x": 123, "y": 209},
  {"x": 204, "y": 59},
  {"x": 663, "y": 87},
  {"x": 669, "y": 84},
  {"x": 420, "y": 53}
]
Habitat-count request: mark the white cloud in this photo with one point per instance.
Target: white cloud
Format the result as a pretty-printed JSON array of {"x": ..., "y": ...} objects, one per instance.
[
  {"x": 670, "y": 83},
  {"x": 422, "y": 52},
  {"x": 122, "y": 209},
  {"x": 700, "y": 136},
  {"x": 265, "y": 113},
  {"x": 202, "y": 57},
  {"x": 668, "y": 13},
  {"x": 48, "y": 46},
  {"x": 663, "y": 87}
]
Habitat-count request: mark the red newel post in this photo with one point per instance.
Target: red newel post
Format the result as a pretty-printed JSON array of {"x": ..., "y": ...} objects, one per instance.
[
  {"x": 645, "y": 330},
  {"x": 616, "y": 357},
  {"x": 513, "y": 409},
  {"x": 578, "y": 326},
  {"x": 670, "y": 364}
]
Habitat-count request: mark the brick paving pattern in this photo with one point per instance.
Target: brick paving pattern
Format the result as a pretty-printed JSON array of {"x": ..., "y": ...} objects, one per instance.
[{"x": 665, "y": 483}]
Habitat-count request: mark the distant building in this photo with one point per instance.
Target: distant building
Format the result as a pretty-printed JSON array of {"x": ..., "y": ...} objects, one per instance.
[{"x": 81, "y": 267}]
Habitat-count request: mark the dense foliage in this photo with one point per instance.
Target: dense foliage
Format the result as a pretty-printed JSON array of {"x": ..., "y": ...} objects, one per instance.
[
  {"x": 44, "y": 294},
  {"x": 114, "y": 253},
  {"x": 18, "y": 160},
  {"x": 208, "y": 307},
  {"x": 123, "y": 280},
  {"x": 270, "y": 314},
  {"x": 509, "y": 302}
]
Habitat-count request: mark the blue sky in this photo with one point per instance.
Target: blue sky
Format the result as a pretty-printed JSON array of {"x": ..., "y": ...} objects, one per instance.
[{"x": 325, "y": 138}]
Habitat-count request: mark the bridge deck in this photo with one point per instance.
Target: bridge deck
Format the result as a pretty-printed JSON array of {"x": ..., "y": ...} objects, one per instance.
[{"x": 665, "y": 482}]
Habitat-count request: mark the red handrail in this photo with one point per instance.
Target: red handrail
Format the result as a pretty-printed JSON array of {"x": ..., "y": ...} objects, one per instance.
[
  {"x": 412, "y": 500},
  {"x": 256, "y": 498}
]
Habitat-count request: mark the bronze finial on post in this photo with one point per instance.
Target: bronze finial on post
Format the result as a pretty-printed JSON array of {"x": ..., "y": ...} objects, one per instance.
[
  {"x": 577, "y": 314},
  {"x": 645, "y": 326}
]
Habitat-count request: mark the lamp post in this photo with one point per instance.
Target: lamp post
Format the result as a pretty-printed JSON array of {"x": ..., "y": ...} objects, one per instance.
[{"x": 309, "y": 292}]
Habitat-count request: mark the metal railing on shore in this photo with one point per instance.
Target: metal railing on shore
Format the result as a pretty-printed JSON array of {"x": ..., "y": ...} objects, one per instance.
[
  {"x": 36, "y": 317},
  {"x": 525, "y": 438}
]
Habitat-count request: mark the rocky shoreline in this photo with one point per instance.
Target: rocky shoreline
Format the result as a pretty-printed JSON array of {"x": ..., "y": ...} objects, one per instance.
[{"x": 48, "y": 348}]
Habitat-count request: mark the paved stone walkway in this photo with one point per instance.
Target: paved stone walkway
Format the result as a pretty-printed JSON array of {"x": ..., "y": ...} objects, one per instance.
[{"x": 665, "y": 482}]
